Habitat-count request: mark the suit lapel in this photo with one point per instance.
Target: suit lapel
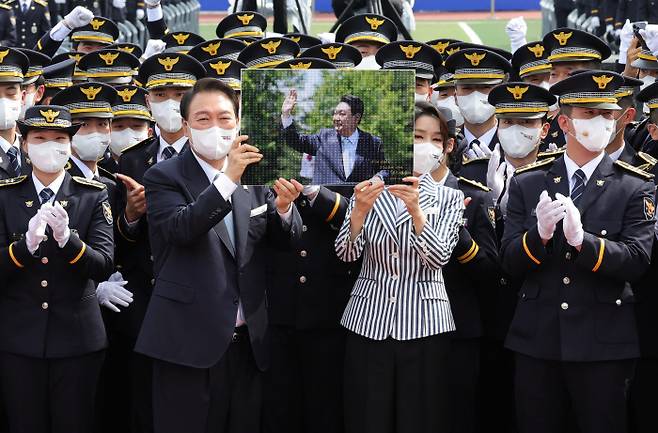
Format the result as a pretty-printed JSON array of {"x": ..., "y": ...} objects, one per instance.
[
  {"x": 67, "y": 197},
  {"x": 152, "y": 153},
  {"x": 557, "y": 180},
  {"x": 596, "y": 184},
  {"x": 338, "y": 160},
  {"x": 29, "y": 199}
]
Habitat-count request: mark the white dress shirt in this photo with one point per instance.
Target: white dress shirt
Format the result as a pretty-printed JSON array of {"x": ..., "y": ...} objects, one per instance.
[
  {"x": 86, "y": 172},
  {"x": 54, "y": 186},
  {"x": 178, "y": 145},
  {"x": 588, "y": 168},
  {"x": 484, "y": 138}
]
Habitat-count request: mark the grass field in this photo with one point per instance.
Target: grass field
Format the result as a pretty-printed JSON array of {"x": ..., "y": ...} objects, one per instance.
[{"x": 490, "y": 32}]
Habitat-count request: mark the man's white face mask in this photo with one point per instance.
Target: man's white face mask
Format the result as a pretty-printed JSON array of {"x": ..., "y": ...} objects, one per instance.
[
  {"x": 475, "y": 107},
  {"x": 368, "y": 63}
]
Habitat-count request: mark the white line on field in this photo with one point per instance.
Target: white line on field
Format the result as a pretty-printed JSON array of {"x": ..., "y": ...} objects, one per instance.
[{"x": 470, "y": 33}]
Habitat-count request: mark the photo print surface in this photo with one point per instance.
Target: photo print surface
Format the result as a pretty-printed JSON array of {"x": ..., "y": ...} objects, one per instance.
[{"x": 328, "y": 127}]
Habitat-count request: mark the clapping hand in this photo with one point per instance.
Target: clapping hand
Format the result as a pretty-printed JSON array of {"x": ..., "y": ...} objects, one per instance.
[{"x": 58, "y": 220}]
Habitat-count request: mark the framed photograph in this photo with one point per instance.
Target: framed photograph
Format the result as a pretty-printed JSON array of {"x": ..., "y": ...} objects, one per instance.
[{"x": 328, "y": 127}]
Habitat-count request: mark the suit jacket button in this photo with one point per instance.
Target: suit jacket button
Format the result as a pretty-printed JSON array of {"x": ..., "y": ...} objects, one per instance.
[
  {"x": 564, "y": 306},
  {"x": 152, "y": 281},
  {"x": 303, "y": 203},
  {"x": 304, "y": 228},
  {"x": 618, "y": 302},
  {"x": 44, "y": 260},
  {"x": 302, "y": 279},
  {"x": 44, "y": 283},
  {"x": 568, "y": 255},
  {"x": 303, "y": 253},
  {"x": 503, "y": 282},
  {"x": 44, "y": 306},
  {"x": 566, "y": 280}
]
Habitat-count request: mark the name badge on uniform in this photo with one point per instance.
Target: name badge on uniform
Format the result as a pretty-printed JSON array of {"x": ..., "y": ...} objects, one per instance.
[
  {"x": 34, "y": 29},
  {"x": 257, "y": 211}
]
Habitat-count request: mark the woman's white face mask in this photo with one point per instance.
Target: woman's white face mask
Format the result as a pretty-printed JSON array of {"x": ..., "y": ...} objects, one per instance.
[
  {"x": 50, "y": 156},
  {"x": 427, "y": 157}
]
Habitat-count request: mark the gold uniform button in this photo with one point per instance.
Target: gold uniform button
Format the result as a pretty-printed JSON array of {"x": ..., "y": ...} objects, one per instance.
[
  {"x": 618, "y": 302},
  {"x": 564, "y": 306},
  {"x": 302, "y": 279},
  {"x": 303, "y": 253},
  {"x": 44, "y": 306},
  {"x": 304, "y": 228},
  {"x": 604, "y": 232},
  {"x": 566, "y": 280},
  {"x": 44, "y": 260},
  {"x": 44, "y": 283}
]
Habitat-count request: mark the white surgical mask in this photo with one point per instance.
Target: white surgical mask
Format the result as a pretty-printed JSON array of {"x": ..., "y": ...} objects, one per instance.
[
  {"x": 518, "y": 141},
  {"x": 10, "y": 109},
  {"x": 167, "y": 115},
  {"x": 420, "y": 98},
  {"x": 593, "y": 134},
  {"x": 475, "y": 107},
  {"x": 50, "y": 156},
  {"x": 368, "y": 63},
  {"x": 121, "y": 140},
  {"x": 90, "y": 147},
  {"x": 617, "y": 131},
  {"x": 451, "y": 105},
  {"x": 29, "y": 102},
  {"x": 427, "y": 157},
  {"x": 213, "y": 143}
]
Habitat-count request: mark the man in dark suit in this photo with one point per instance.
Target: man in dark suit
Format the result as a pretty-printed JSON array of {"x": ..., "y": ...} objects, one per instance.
[
  {"x": 344, "y": 154},
  {"x": 206, "y": 324}
]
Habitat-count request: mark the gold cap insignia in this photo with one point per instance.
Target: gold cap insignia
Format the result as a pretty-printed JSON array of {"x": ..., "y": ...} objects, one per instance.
[
  {"x": 475, "y": 58},
  {"x": 517, "y": 91},
  {"x": 301, "y": 65},
  {"x": 537, "y": 50},
  {"x": 245, "y": 19},
  {"x": 90, "y": 92},
  {"x": 600, "y": 182},
  {"x": 49, "y": 115},
  {"x": 126, "y": 94},
  {"x": 220, "y": 67},
  {"x": 29, "y": 203},
  {"x": 295, "y": 39},
  {"x": 410, "y": 50},
  {"x": 75, "y": 57},
  {"x": 126, "y": 49},
  {"x": 3, "y": 54},
  {"x": 602, "y": 81},
  {"x": 441, "y": 47},
  {"x": 181, "y": 38},
  {"x": 271, "y": 46},
  {"x": 557, "y": 179},
  {"x": 96, "y": 23},
  {"x": 168, "y": 63},
  {"x": 109, "y": 58},
  {"x": 452, "y": 51},
  {"x": 332, "y": 52},
  {"x": 562, "y": 37},
  {"x": 374, "y": 22},
  {"x": 211, "y": 48}
]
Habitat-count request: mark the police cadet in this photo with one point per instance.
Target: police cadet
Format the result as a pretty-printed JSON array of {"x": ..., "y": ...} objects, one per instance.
[
  {"x": 304, "y": 41},
  {"x": 242, "y": 25},
  {"x": 268, "y": 52},
  {"x": 577, "y": 233},
  {"x": 14, "y": 65},
  {"x": 226, "y": 70},
  {"x": 127, "y": 47},
  {"x": 110, "y": 66},
  {"x": 569, "y": 50},
  {"x": 476, "y": 71},
  {"x": 181, "y": 42},
  {"x": 32, "y": 21},
  {"x": 7, "y": 26},
  {"x": 530, "y": 63},
  {"x": 341, "y": 56},
  {"x": 166, "y": 77},
  {"x": 33, "y": 82},
  {"x": 78, "y": 75},
  {"x": 367, "y": 33},
  {"x": 56, "y": 234},
  {"x": 645, "y": 67},
  {"x": 214, "y": 48},
  {"x": 57, "y": 76}
]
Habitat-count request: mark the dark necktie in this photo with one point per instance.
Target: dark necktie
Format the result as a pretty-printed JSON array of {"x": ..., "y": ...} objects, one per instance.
[
  {"x": 228, "y": 219},
  {"x": 168, "y": 152},
  {"x": 578, "y": 186},
  {"x": 24, "y": 7},
  {"x": 474, "y": 142},
  {"x": 45, "y": 195},
  {"x": 14, "y": 164}
]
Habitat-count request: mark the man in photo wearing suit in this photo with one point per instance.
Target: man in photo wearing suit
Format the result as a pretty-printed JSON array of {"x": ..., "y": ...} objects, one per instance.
[{"x": 344, "y": 153}]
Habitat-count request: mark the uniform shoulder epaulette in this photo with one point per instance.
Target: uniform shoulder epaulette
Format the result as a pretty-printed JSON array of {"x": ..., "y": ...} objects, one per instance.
[
  {"x": 5, "y": 6},
  {"x": 106, "y": 173},
  {"x": 9, "y": 2},
  {"x": 647, "y": 158},
  {"x": 12, "y": 180},
  {"x": 138, "y": 145},
  {"x": 475, "y": 183},
  {"x": 88, "y": 182},
  {"x": 534, "y": 165},
  {"x": 41, "y": 2},
  {"x": 628, "y": 167},
  {"x": 549, "y": 153},
  {"x": 466, "y": 161}
]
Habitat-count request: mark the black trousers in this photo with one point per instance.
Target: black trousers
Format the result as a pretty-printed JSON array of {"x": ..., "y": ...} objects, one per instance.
[
  {"x": 643, "y": 400},
  {"x": 396, "y": 386},
  {"x": 548, "y": 391},
  {"x": 225, "y": 398},
  {"x": 495, "y": 395},
  {"x": 50, "y": 395},
  {"x": 303, "y": 389},
  {"x": 464, "y": 369}
]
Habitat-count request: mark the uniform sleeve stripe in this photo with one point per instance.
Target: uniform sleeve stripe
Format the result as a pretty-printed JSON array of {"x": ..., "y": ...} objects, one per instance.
[
  {"x": 332, "y": 214},
  {"x": 82, "y": 251},
  {"x": 13, "y": 258},
  {"x": 472, "y": 256},
  {"x": 468, "y": 253},
  {"x": 123, "y": 234},
  {"x": 601, "y": 251},
  {"x": 527, "y": 250}
]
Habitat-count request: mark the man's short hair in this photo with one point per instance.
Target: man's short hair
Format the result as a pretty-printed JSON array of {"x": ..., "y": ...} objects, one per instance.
[
  {"x": 355, "y": 103},
  {"x": 208, "y": 85}
]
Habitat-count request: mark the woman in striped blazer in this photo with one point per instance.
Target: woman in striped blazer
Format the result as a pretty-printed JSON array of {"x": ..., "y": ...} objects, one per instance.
[{"x": 398, "y": 313}]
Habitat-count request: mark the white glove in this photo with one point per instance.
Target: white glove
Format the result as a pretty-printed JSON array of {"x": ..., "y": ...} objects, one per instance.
[
  {"x": 572, "y": 226},
  {"x": 111, "y": 293},
  {"x": 327, "y": 38},
  {"x": 60, "y": 2},
  {"x": 594, "y": 24},
  {"x": 153, "y": 47},
  {"x": 119, "y": 4},
  {"x": 493, "y": 172},
  {"x": 151, "y": 3},
  {"x": 552, "y": 147},
  {"x": 58, "y": 220},
  {"x": 650, "y": 36},
  {"x": 78, "y": 17},
  {"x": 549, "y": 213},
  {"x": 481, "y": 150},
  {"x": 36, "y": 232},
  {"x": 311, "y": 191},
  {"x": 610, "y": 29},
  {"x": 140, "y": 14},
  {"x": 516, "y": 30},
  {"x": 625, "y": 39},
  {"x": 581, "y": 19}
]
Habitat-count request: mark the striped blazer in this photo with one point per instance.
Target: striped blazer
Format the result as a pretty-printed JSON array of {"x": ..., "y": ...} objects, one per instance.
[{"x": 400, "y": 291}]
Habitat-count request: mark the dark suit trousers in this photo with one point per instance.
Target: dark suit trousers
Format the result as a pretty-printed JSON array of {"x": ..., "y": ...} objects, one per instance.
[
  {"x": 225, "y": 398},
  {"x": 547, "y": 391},
  {"x": 396, "y": 386},
  {"x": 495, "y": 398},
  {"x": 303, "y": 389},
  {"x": 643, "y": 400},
  {"x": 50, "y": 395},
  {"x": 464, "y": 364}
]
